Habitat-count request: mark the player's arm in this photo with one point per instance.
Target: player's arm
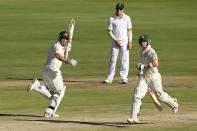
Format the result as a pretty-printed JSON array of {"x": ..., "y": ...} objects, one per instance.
[
  {"x": 114, "y": 38},
  {"x": 129, "y": 33},
  {"x": 110, "y": 28},
  {"x": 60, "y": 57},
  {"x": 154, "y": 63},
  {"x": 129, "y": 38},
  {"x": 63, "y": 59}
]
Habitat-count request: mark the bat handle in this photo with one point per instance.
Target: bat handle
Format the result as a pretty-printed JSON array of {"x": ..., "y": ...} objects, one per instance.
[{"x": 66, "y": 54}]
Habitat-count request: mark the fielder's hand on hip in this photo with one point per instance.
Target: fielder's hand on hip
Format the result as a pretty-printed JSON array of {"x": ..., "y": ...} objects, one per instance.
[{"x": 72, "y": 62}]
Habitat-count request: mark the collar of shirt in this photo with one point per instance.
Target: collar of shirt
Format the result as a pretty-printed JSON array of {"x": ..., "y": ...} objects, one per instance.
[
  {"x": 59, "y": 43},
  {"x": 115, "y": 16},
  {"x": 148, "y": 47}
]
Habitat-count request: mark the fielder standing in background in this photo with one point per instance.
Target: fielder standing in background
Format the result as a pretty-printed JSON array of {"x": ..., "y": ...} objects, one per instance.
[
  {"x": 119, "y": 29},
  {"x": 149, "y": 78},
  {"x": 54, "y": 88}
]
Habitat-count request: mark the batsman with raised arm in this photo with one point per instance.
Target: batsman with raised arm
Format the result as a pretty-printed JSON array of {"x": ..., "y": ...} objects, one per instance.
[
  {"x": 53, "y": 87},
  {"x": 149, "y": 78}
]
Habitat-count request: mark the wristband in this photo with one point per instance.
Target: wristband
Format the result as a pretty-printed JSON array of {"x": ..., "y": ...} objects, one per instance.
[{"x": 67, "y": 61}]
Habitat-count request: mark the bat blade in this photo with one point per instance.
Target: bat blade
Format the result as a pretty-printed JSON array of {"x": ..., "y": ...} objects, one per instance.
[
  {"x": 155, "y": 100},
  {"x": 71, "y": 28},
  {"x": 70, "y": 31}
]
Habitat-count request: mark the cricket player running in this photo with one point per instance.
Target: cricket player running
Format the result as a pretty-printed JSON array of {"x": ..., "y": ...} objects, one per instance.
[
  {"x": 53, "y": 87},
  {"x": 119, "y": 29},
  {"x": 149, "y": 77}
]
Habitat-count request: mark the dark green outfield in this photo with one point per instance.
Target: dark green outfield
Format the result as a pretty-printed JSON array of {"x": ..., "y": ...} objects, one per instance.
[
  {"x": 87, "y": 99},
  {"x": 29, "y": 27}
]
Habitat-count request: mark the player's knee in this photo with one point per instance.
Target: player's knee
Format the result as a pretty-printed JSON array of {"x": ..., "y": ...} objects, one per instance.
[
  {"x": 59, "y": 89},
  {"x": 55, "y": 96},
  {"x": 125, "y": 60},
  {"x": 62, "y": 92},
  {"x": 162, "y": 96},
  {"x": 136, "y": 95},
  {"x": 112, "y": 60},
  {"x": 136, "y": 98}
]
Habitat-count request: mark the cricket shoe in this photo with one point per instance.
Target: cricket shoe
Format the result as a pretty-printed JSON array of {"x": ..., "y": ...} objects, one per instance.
[
  {"x": 134, "y": 121},
  {"x": 34, "y": 84},
  {"x": 175, "y": 109},
  {"x": 48, "y": 113},
  {"x": 107, "y": 81},
  {"x": 124, "y": 81}
]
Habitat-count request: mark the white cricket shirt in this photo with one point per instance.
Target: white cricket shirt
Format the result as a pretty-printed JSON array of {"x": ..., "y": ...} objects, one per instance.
[
  {"x": 120, "y": 26},
  {"x": 52, "y": 61},
  {"x": 147, "y": 56}
]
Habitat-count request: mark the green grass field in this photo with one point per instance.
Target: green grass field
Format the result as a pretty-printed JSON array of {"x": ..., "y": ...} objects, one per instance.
[
  {"x": 89, "y": 105},
  {"x": 30, "y": 27}
]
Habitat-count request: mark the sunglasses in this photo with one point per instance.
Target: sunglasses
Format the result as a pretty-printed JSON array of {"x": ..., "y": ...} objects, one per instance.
[{"x": 119, "y": 8}]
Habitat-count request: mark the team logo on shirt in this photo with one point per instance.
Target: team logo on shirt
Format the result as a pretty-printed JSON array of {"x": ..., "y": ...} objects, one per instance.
[{"x": 56, "y": 49}]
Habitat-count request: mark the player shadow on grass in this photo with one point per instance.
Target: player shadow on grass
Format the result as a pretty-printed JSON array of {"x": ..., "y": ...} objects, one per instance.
[
  {"x": 90, "y": 81},
  {"x": 69, "y": 81},
  {"x": 22, "y": 79},
  {"x": 113, "y": 124},
  {"x": 19, "y": 115}
]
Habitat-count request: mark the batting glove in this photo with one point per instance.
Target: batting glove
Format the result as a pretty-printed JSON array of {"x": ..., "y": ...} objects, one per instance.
[
  {"x": 68, "y": 47},
  {"x": 72, "y": 62},
  {"x": 140, "y": 73},
  {"x": 140, "y": 66}
]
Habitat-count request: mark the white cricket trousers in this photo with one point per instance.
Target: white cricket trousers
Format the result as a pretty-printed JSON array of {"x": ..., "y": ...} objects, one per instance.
[
  {"x": 154, "y": 82},
  {"x": 53, "y": 80},
  {"x": 124, "y": 58}
]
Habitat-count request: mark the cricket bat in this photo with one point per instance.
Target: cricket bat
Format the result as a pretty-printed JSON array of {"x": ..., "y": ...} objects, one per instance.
[
  {"x": 71, "y": 31},
  {"x": 155, "y": 100}
]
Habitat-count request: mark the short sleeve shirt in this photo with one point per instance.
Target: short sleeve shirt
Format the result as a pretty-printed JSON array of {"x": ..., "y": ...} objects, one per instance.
[
  {"x": 52, "y": 61},
  {"x": 120, "y": 26},
  {"x": 147, "y": 56}
]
